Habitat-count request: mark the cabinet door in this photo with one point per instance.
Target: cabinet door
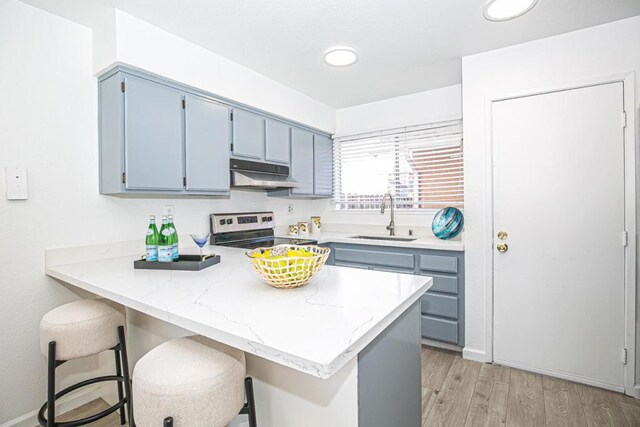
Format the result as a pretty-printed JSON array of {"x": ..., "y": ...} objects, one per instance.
[
  {"x": 277, "y": 144},
  {"x": 207, "y": 138},
  {"x": 153, "y": 136},
  {"x": 248, "y": 135},
  {"x": 302, "y": 161},
  {"x": 323, "y": 165}
]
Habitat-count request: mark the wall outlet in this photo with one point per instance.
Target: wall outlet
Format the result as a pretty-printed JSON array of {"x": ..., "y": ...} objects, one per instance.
[
  {"x": 168, "y": 210},
  {"x": 290, "y": 206}
]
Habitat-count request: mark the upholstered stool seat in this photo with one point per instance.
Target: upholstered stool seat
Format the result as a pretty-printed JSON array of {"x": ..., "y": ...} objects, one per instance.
[
  {"x": 193, "y": 380},
  {"x": 80, "y": 328}
]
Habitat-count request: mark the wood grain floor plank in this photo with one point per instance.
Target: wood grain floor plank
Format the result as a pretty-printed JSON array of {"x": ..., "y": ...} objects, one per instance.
[
  {"x": 601, "y": 407},
  {"x": 452, "y": 403},
  {"x": 631, "y": 411},
  {"x": 428, "y": 397},
  {"x": 562, "y": 403},
  {"x": 435, "y": 367},
  {"x": 91, "y": 408},
  {"x": 525, "y": 406},
  {"x": 489, "y": 402}
]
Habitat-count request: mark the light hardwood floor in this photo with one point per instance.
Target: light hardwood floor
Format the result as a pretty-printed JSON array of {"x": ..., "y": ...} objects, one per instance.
[{"x": 458, "y": 392}]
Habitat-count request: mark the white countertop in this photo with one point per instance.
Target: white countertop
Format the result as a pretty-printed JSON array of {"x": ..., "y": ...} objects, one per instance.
[
  {"x": 421, "y": 242},
  {"x": 315, "y": 329}
]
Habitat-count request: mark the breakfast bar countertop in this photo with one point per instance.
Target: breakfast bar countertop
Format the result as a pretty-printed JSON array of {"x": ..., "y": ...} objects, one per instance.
[{"x": 314, "y": 329}]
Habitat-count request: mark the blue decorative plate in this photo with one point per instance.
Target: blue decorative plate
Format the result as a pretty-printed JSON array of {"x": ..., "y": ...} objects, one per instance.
[{"x": 447, "y": 223}]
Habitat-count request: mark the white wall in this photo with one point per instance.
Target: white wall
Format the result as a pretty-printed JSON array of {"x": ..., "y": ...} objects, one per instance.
[
  {"x": 563, "y": 60},
  {"x": 150, "y": 48},
  {"x": 49, "y": 125},
  {"x": 419, "y": 108}
]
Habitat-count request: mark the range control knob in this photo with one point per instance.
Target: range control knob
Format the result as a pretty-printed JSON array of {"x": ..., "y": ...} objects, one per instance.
[
  {"x": 264, "y": 219},
  {"x": 269, "y": 218},
  {"x": 229, "y": 221},
  {"x": 222, "y": 221}
]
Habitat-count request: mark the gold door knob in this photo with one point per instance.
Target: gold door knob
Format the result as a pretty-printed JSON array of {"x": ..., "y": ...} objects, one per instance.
[
  {"x": 502, "y": 235},
  {"x": 502, "y": 247}
]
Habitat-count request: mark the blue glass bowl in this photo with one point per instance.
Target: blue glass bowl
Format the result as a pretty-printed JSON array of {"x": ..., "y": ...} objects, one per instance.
[{"x": 447, "y": 223}]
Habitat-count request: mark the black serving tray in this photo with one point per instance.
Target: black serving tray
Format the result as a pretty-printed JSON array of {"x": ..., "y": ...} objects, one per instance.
[{"x": 185, "y": 262}]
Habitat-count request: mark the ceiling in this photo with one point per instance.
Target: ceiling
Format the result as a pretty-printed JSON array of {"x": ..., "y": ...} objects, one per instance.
[{"x": 405, "y": 46}]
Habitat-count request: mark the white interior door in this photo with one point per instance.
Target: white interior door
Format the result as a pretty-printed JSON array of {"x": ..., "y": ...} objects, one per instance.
[{"x": 558, "y": 177}]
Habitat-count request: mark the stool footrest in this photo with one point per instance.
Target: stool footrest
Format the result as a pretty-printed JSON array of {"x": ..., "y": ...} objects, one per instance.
[{"x": 120, "y": 404}]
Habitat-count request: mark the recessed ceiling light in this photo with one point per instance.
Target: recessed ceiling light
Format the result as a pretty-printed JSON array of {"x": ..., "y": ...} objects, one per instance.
[
  {"x": 340, "y": 56},
  {"x": 503, "y": 10}
]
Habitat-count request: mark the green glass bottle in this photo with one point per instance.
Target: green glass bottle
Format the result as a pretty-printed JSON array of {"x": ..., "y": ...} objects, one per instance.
[
  {"x": 165, "y": 243},
  {"x": 151, "y": 241},
  {"x": 174, "y": 239}
]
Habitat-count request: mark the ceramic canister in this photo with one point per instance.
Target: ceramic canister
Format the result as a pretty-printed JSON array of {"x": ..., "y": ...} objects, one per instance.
[
  {"x": 303, "y": 228},
  {"x": 293, "y": 230},
  {"x": 316, "y": 225}
]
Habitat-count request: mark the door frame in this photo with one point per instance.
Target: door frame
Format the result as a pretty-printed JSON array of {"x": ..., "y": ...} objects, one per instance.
[{"x": 630, "y": 165}]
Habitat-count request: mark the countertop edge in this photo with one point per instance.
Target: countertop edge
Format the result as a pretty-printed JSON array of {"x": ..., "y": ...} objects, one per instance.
[{"x": 319, "y": 370}]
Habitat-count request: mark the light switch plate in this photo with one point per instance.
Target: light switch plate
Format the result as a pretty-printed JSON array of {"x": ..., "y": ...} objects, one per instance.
[{"x": 17, "y": 188}]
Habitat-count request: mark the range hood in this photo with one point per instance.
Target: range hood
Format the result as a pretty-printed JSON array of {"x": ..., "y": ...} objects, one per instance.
[{"x": 259, "y": 175}]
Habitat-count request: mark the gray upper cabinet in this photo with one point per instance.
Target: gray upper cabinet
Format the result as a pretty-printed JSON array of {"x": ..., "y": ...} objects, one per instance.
[
  {"x": 153, "y": 136},
  {"x": 311, "y": 165},
  {"x": 322, "y": 165},
  {"x": 277, "y": 142},
  {"x": 207, "y": 138},
  {"x": 248, "y": 135},
  {"x": 156, "y": 139},
  {"x": 302, "y": 161}
]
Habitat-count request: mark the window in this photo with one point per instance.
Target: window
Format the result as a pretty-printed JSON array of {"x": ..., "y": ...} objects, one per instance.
[{"x": 420, "y": 165}]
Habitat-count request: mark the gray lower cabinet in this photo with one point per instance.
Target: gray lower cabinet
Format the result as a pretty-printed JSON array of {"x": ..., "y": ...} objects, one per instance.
[
  {"x": 442, "y": 306},
  {"x": 156, "y": 139}
]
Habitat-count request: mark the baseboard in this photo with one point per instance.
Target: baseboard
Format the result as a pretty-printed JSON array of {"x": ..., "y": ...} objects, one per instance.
[
  {"x": 438, "y": 344},
  {"x": 65, "y": 404},
  {"x": 562, "y": 375},
  {"x": 473, "y": 354}
]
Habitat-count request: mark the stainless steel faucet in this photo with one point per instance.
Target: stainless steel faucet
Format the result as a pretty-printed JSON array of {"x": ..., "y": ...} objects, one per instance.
[{"x": 392, "y": 225}]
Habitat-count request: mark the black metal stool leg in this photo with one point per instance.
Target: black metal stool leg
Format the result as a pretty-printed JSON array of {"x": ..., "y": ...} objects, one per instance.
[
  {"x": 125, "y": 374},
  {"x": 168, "y": 422},
  {"x": 248, "y": 386},
  {"x": 51, "y": 385},
  {"x": 123, "y": 418}
]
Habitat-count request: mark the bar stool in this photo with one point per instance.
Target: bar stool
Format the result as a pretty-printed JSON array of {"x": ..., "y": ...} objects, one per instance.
[
  {"x": 80, "y": 329},
  {"x": 194, "y": 382}
]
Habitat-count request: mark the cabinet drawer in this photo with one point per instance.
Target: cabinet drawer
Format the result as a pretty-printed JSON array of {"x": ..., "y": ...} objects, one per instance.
[
  {"x": 440, "y": 329},
  {"x": 440, "y": 305},
  {"x": 379, "y": 258},
  {"x": 445, "y": 264},
  {"x": 446, "y": 284}
]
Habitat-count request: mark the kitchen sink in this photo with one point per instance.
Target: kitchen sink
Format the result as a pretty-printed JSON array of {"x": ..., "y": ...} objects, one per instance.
[{"x": 391, "y": 238}]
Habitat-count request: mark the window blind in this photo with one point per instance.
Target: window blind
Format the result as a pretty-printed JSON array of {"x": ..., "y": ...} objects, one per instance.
[{"x": 421, "y": 166}]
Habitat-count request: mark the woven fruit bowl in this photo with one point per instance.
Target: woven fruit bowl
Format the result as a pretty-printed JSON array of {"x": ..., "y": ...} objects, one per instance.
[{"x": 288, "y": 266}]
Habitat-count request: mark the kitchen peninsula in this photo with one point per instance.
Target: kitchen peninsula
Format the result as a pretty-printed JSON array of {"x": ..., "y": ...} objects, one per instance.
[{"x": 329, "y": 353}]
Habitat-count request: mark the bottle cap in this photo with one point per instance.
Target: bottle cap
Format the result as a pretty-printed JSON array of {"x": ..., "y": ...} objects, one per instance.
[
  {"x": 170, "y": 216},
  {"x": 152, "y": 217}
]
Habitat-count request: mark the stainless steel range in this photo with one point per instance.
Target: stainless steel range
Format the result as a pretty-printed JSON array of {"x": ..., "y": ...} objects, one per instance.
[{"x": 249, "y": 230}]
